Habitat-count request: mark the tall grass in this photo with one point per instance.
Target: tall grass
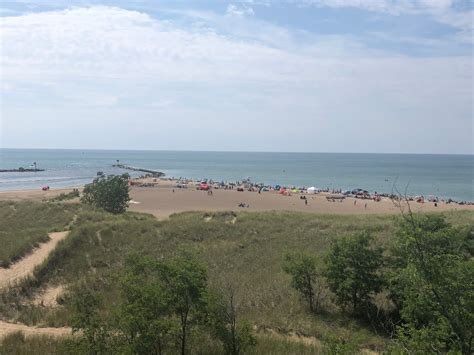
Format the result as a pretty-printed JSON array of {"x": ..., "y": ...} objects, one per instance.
[
  {"x": 24, "y": 225},
  {"x": 241, "y": 250}
]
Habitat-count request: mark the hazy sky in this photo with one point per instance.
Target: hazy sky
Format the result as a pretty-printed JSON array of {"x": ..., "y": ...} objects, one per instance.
[{"x": 261, "y": 75}]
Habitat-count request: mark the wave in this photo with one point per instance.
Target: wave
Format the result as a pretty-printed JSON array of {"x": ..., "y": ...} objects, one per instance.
[{"x": 45, "y": 179}]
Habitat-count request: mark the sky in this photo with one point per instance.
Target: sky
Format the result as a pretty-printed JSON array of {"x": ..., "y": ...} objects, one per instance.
[{"x": 377, "y": 76}]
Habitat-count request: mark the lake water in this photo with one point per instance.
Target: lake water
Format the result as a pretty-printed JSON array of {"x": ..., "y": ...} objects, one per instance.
[{"x": 445, "y": 176}]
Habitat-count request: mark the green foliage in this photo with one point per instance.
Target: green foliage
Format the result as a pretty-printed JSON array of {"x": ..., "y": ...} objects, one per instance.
[
  {"x": 67, "y": 196},
  {"x": 247, "y": 248},
  {"x": 353, "y": 271},
  {"x": 24, "y": 225},
  {"x": 186, "y": 280},
  {"x": 145, "y": 317},
  {"x": 18, "y": 344},
  {"x": 304, "y": 277},
  {"x": 433, "y": 284},
  {"x": 236, "y": 336},
  {"x": 341, "y": 346},
  {"x": 161, "y": 301},
  {"x": 87, "y": 319},
  {"x": 110, "y": 193}
]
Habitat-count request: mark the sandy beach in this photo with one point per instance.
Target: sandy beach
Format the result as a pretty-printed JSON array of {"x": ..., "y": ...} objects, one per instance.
[{"x": 164, "y": 199}]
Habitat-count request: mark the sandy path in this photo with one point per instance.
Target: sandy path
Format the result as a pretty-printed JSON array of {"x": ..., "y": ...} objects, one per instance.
[
  {"x": 25, "y": 266},
  {"x": 48, "y": 298}
]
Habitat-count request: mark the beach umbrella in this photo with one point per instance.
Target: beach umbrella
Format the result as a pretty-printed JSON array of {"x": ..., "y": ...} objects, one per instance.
[{"x": 311, "y": 190}]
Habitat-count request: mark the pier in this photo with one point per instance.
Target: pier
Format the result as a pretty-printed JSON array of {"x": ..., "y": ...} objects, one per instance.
[
  {"x": 20, "y": 170},
  {"x": 155, "y": 173}
]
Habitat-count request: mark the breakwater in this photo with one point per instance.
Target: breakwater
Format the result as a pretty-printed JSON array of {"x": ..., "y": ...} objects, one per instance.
[
  {"x": 20, "y": 170},
  {"x": 132, "y": 168}
]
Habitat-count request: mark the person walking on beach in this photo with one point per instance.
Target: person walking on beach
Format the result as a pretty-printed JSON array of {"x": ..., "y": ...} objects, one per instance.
[
  {"x": 306, "y": 202},
  {"x": 365, "y": 206}
]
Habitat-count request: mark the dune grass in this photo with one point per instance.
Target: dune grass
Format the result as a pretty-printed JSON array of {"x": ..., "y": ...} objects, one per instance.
[
  {"x": 18, "y": 344},
  {"x": 23, "y": 225},
  {"x": 242, "y": 250}
]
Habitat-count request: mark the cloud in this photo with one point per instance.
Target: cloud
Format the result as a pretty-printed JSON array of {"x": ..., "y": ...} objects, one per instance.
[
  {"x": 235, "y": 10},
  {"x": 111, "y": 66},
  {"x": 443, "y": 11}
]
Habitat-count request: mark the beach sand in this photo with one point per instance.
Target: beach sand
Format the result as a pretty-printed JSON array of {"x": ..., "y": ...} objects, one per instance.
[{"x": 161, "y": 201}]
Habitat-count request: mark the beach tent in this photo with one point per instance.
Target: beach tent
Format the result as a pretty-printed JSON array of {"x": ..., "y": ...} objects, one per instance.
[
  {"x": 312, "y": 190},
  {"x": 204, "y": 186}
]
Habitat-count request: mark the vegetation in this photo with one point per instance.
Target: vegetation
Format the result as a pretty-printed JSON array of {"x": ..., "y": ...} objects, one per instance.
[
  {"x": 433, "y": 285},
  {"x": 246, "y": 292},
  {"x": 236, "y": 336},
  {"x": 163, "y": 302},
  {"x": 67, "y": 196},
  {"x": 353, "y": 271},
  {"x": 109, "y": 193},
  {"x": 24, "y": 225},
  {"x": 304, "y": 277}
]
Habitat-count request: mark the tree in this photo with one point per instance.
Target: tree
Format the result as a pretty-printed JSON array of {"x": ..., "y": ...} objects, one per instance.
[
  {"x": 86, "y": 319},
  {"x": 110, "y": 193},
  {"x": 161, "y": 300},
  {"x": 353, "y": 271},
  {"x": 304, "y": 278},
  {"x": 186, "y": 280},
  {"x": 144, "y": 317},
  {"x": 236, "y": 336},
  {"x": 432, "y": 283}
]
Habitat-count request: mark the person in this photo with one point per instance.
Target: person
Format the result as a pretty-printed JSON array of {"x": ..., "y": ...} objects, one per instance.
[
  {"x": 365, "y": 206},
  {"x": 306, "y": 202},
  {"x": 355, "y": 201}
]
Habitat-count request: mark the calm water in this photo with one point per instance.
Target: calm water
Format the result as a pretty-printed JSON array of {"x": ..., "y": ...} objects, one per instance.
[{"x": 440, "y": 175}]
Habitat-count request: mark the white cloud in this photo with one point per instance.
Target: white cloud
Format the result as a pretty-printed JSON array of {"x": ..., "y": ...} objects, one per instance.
[
  {"x": 442, "y": 11},
  {"x": 235, "y": 10},
  {"x": 165, "y": 73}
]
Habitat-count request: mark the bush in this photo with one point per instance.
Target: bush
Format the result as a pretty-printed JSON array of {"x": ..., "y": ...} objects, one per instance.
[
  {"x": 110, "y": 193},
  {"x": 353, "y": 271},
  {"x": 304, "y": 277},
  {"x": 433, "y": 285}
]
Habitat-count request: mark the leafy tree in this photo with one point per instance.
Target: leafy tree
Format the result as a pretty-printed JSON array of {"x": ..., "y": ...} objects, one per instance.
[
  {"x": 433, "y": 284},
  {"x": 110, "y": 193},
  {"x": 144, "y": 317},
  {"x": 186, "y": 280},
  {"x": 304, "y": 278},
  {"x": 353, "y": 271},
  {"x": 86, "y": 304},
  {"x": 162, "y": 300},
  {"x": 236, "y": 336}
]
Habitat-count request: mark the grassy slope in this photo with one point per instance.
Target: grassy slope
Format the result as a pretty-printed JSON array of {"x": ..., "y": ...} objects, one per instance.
[
  {"x": 23, "y": 225},
  {"x": 244, "y": 250}
]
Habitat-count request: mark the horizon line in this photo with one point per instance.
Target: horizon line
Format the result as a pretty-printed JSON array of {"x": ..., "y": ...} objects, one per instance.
[{"x": 231, "y": 151}]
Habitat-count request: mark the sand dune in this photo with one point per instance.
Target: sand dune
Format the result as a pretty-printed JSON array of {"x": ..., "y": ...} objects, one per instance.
[{"x": 25, "y": 266}]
